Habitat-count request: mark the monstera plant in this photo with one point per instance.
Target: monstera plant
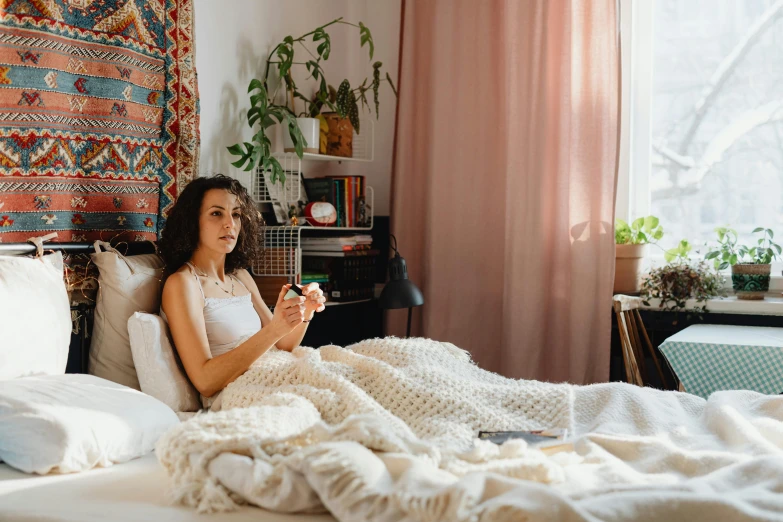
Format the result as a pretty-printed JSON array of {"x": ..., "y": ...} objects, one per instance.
[{"x": 264, "y": 112}]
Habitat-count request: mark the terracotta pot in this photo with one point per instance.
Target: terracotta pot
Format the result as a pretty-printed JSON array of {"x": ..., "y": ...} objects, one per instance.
[
  {"x": 628, "y": 268},
  {"x": 750, "y": 282},
  {"x": 339, "y": 140}
]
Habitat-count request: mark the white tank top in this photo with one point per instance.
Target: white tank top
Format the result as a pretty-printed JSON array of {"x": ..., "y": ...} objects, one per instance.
[{"x": 228, "y": 320}]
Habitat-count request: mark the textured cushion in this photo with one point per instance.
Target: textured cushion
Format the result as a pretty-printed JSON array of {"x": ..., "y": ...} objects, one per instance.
[
  {"x": 35, "y": 320},
  {"x": 69, "y": 423},
  {"x": 157, "y": 366},
  {"x": 126, "y": 285}
]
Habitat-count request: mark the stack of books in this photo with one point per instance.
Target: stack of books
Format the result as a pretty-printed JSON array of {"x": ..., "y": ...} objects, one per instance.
[
  {"x": 336, "y": 246},
  {"x": 344, "y": 266}
]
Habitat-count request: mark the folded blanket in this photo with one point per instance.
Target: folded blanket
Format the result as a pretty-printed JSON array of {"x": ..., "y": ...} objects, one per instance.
[{"x": 385, "y": 430}]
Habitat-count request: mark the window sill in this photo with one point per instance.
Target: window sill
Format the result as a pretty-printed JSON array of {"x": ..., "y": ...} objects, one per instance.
[{"x": 771, "y": 305}]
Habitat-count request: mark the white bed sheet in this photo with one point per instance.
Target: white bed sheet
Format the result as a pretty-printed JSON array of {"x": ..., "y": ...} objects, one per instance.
[{"x": 132, "y": 491}]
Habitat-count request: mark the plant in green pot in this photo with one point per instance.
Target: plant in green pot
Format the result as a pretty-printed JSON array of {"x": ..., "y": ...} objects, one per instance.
[
  {"x": 630, "y": 249},
  {"x": 301, "y": 128},
  {"x": 750, "y": 266}
]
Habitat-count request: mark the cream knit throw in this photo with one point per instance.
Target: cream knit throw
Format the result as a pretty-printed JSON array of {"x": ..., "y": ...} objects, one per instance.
[
  {"x": 384, "y": 432},
  {"x": 420, "y": 387},
  {"x": 415, "y": 396}
]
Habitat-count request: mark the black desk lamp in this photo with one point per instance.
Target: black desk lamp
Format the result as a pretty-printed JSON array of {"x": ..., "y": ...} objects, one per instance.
[{"x": 400, "y": 292}]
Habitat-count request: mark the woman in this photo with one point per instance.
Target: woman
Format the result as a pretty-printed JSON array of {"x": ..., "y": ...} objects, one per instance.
[{"x": 219, "y": 323}]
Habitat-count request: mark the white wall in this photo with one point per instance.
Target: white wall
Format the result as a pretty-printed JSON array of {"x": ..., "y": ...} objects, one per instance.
[{"x": 233, "y": 39}]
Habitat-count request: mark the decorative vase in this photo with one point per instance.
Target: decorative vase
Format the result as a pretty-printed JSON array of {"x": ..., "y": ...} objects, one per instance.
[
  {"x": 750, "y": 281},
  {"x": 628, "y": 268},
  {"x": 339, "y": 139},
  {"x": 310, "y": 128}
]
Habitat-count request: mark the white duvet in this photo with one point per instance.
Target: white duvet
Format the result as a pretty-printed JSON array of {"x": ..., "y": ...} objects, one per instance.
[{"x": 384, "y": 430}]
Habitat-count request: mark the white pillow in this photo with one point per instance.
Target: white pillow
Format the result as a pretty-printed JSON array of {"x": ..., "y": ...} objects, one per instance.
[
  {"x": 157, "y": 365},
  {"x": 126, "y": 285},
  {"x": 35, "y": 319},
  {"x": 74, "y": 422}
]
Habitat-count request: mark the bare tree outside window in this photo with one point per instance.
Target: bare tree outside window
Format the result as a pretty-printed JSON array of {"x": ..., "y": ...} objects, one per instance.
[{"x": 717, "y": 117}]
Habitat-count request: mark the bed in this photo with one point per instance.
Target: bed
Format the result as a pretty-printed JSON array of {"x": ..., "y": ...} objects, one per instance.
[{"x": 385, "y": 430}]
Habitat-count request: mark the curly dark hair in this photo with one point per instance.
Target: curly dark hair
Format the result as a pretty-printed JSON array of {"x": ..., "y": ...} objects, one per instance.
[{"x": 180, "y": 235}]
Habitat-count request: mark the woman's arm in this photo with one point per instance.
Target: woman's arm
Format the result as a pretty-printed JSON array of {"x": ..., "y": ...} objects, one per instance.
[
  {"x": 184, "y": 308},
  {"x": 294, "y": 338}
]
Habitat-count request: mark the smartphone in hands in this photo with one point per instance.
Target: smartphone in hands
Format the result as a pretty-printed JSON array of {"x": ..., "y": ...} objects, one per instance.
[{"x": 294, "y": 291}]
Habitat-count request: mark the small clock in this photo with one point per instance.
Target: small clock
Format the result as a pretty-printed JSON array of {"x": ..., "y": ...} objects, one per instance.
[{"x": 320, "y": 214}]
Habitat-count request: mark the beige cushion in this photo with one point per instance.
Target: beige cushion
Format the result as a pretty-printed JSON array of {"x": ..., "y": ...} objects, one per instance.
[
  {"x": 157, "y": 365},
  {"x": 35, "y": 316},
  {"x": 125, "y": 285}
]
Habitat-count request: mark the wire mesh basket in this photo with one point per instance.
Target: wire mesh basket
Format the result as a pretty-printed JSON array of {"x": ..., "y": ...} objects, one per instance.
[
  {"x": 282, "y": 256},
  {"x": 262, "y": 190}
]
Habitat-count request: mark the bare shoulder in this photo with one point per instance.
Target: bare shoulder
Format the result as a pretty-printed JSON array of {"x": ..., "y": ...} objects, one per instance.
[
  {"x": 244, "y": 276},
  {"x": 180, "y": 284}
]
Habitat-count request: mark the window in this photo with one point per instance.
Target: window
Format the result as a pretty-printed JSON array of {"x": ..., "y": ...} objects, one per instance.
[{"x": 702, "y": 127}]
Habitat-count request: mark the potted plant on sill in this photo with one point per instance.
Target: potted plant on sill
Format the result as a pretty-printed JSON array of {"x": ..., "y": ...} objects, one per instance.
[
  {"x": 750, "y": 266},
  {"x": 265, "y": 112},
  {"x": 680, "y": 280},
  {"x": 630, "y": 249}
]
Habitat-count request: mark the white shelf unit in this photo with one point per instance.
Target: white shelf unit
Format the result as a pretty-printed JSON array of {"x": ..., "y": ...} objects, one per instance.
[{"x": 283, "y": 257}]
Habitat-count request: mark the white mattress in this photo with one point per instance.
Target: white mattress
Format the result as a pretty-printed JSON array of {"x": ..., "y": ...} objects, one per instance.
[{"x": 132, "y": 491}]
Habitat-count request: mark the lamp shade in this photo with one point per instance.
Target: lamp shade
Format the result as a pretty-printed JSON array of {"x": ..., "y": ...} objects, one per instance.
[{"x": 399, "y": 292}]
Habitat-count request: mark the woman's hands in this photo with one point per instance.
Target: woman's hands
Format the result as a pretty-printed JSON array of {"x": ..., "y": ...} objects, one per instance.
[
  {"x": 314, "y": 299},
  {"x": 289, "y": 313}
]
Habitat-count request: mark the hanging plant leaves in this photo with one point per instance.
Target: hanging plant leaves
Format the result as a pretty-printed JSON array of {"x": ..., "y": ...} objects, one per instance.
[
  {"x": 285, "y": 53},
  {"x": 245, "y": 155},
  {"x": 277, "y": 170},
  {"x": 363, "y": 98},
  {"x": 366, "y": 38},
  {"x": 296, "y": 134},
  {"x": 313, "y": 68},
  {"x": 353, "y": 111},
  {"x": 343, "y": 98},
  {"x": 325, "y": 47},
  {"x": 391, "y": 83},
  {"x": 376, "y": 83},
  {"x": 326, "y": 99}
]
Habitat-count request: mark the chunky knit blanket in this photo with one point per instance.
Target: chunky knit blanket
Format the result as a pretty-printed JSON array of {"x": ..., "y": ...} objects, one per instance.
[{"x": 385, "y": 430}]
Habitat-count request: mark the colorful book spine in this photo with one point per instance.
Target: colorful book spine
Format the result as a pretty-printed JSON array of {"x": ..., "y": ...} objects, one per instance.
[{"x": 336, "y": 198}]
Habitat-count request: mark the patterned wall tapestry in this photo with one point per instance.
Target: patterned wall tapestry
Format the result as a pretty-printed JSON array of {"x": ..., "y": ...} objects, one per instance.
[{"x": 98, "y": 116}]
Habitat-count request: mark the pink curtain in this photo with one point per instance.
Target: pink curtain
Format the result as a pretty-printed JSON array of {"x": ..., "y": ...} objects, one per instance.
[{"x": 504, "y": 180}]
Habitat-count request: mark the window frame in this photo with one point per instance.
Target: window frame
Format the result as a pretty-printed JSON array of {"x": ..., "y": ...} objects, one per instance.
[{"x": 633, "y": 197}]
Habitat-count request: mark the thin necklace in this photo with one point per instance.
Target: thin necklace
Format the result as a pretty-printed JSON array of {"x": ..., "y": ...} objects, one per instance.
[{"x": 204, "y": 274}]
